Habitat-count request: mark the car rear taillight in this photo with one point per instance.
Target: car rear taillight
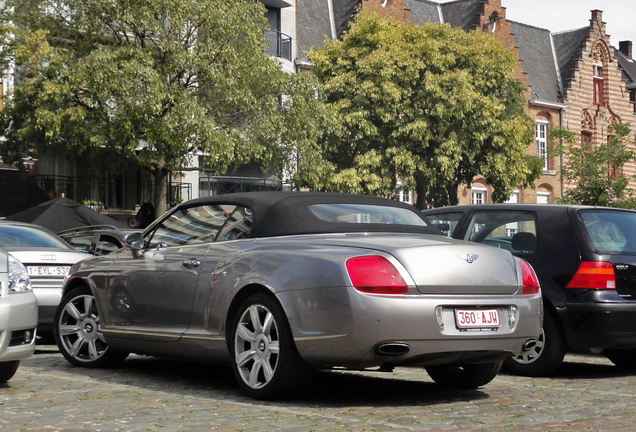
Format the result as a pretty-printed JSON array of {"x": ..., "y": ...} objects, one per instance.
[
  {"x": 594, "y": 275},
  {"x": 375, "y": 274},
  {"x": 529, "y": 277}
]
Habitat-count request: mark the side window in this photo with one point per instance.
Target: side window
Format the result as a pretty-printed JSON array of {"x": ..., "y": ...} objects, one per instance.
[
  {"x": 515, "y": 231},
  {"x": 82, "y": 243},
  {"x": 445, "y": 222},
  {"x": 237, "y": 225},
  {"x": 192, "y": 225},
  {"x": 106, "y": 245}
]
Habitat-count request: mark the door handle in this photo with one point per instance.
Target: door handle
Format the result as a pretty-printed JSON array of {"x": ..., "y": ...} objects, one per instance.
[{"x": 191, "y": 263}]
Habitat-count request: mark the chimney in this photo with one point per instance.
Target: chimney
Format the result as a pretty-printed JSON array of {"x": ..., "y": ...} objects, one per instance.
[
  {"x": 625, "y": 47},
  {"x": 597, "y": 15}
]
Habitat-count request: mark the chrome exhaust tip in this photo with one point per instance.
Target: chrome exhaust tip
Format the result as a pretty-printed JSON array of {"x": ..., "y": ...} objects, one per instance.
[
  {"x": 392, "y": 349},
  {"x": 529, "y": 344}
]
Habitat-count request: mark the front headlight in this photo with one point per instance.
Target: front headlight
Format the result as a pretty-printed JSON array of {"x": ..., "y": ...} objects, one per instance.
[{"x": 19, "y": 280}]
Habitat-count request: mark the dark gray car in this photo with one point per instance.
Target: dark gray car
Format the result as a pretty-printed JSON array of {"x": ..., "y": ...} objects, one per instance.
[{"x": 279, "y": 284}]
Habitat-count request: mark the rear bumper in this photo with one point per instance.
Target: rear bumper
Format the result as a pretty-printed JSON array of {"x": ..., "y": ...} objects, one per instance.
[
  {"x": 593, "y": 327},
  {"x": 347, "y": 327},
  {"x": 18, "y": 319}
]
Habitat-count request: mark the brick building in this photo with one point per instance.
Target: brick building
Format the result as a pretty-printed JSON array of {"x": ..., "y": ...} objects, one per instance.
[{"x": 575, "y": 79}]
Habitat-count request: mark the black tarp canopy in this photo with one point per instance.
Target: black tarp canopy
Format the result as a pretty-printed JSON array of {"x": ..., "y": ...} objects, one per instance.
[{"x": 62, "y": 213}]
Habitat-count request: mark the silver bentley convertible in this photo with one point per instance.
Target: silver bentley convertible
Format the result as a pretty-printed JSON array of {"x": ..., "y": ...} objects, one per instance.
[{"x": 279, "y": 284}]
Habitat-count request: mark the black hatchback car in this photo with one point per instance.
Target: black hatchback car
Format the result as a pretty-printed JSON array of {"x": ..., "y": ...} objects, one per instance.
[{"x": 585, "y": 258}]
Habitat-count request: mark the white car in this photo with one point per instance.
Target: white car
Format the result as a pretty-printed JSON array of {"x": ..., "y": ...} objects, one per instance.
[
  {"x": 18, "y": 316},
  {"x": 47, "y": 259}
]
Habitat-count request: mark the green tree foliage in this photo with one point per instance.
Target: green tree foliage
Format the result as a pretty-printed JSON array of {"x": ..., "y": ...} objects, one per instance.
[
  {"x": 429, "y": 105},
  {"x": 153, "y": 81},
  {"x": 596, "y": 174}
]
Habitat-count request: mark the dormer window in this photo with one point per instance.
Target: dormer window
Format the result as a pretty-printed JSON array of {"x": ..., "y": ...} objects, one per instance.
[
  {"x": 598, "y": 84},
  {"x": 632, "y": 99}
]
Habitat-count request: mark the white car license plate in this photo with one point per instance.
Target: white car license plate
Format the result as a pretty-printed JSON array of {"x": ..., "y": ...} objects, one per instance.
[
  {"x": 477, "y": 318},
  {"x": 60, "y": 271}
]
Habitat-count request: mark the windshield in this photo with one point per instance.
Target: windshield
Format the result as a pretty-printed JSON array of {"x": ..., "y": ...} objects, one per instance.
[
  {"x": 364, "y": 213},
  {"x": 25, "y": 236},
  {"x": 610, "y": 231}
]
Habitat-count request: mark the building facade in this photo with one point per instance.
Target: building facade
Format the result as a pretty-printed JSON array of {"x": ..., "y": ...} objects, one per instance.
[{"x": 576, "y": 79}]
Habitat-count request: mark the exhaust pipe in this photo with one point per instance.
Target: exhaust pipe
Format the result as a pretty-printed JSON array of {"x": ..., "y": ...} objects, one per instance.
[
  {"x": 392, "y": 349},
  {"x": 529, "y": 345}
]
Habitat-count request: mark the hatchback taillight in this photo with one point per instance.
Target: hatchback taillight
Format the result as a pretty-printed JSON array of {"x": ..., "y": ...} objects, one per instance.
[
  {"x": 375, "y": 274},
  {"x": 530, "y": 280},
  {"x": 594, "y": 275}
]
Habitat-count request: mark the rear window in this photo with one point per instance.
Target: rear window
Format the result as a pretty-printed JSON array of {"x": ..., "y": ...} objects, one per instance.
[
  {"x": 445, "y": 222},
  {"x": 24, "y": 236},
  {"x": 610, "y": 231},
  {"x": 365, "y": 213}
]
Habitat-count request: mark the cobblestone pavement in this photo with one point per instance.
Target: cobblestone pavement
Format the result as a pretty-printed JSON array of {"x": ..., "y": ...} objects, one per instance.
[{"x": 148, "y": 394}]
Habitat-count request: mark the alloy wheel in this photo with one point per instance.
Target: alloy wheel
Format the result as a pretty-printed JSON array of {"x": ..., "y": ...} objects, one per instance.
[
  {"x": 80, "y": 331},
  {"x": 256, "y": 346}
]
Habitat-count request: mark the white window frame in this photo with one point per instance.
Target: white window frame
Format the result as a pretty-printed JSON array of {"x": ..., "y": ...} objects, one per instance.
[
  {"x": 513, "y": 198},
  {"x": 404, "y": 196},
  {"x": 543, "y": 197},
  {"x": 478, "y": 194},
  {"x": 541, "y": 138}
]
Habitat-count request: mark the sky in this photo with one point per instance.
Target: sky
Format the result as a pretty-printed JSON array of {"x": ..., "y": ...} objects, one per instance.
[{"x": 560, "y": 15}]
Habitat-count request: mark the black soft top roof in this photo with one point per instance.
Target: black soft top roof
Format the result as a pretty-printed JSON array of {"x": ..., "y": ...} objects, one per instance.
[{"x": 287, "y": 213}]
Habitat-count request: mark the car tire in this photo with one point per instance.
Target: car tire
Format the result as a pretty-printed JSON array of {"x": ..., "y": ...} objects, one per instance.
[
  {"x": 7, "y": 370},
  {"x": 545, "y": 357},
  {"x": 78, "y": 332},
  {"x": 265, "y": 360},
  {"x": 466, "y": 376},
  {"x": 624, "y": 359}
]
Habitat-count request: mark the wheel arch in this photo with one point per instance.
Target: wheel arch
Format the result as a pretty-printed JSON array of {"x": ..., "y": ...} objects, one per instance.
[
  {"x": 75, "y": 283},
  {"x": 558, "y": 314},
  {"x": 238, "y": 299}
]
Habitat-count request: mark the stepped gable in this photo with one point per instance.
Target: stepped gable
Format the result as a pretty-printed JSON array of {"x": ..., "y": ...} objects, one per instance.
[
  {"x": 537, "y": 56},
  {"x": 569, "y": 45}
]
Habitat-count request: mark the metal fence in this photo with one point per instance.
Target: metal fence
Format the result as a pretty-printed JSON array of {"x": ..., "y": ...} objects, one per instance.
[
  {"x": 280, "y": 44},
  {"x": 117, "y": 193}
]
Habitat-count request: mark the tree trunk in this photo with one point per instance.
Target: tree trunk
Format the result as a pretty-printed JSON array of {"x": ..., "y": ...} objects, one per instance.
[
  {"x": 161, "y": 188},
  {"x": 422, "y": 191}
]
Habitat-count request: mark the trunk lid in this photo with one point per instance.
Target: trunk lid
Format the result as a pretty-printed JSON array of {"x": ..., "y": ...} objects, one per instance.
[{"x": 440, "y": 265}]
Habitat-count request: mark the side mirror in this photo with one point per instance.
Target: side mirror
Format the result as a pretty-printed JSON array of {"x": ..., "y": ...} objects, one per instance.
[{"x": 134, "y": 240}]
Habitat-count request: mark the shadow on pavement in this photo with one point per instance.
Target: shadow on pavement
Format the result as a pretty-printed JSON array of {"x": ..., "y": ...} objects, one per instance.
[
  {"x": 587, "y": 367},
  {"x": 329, "y": 388}
]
